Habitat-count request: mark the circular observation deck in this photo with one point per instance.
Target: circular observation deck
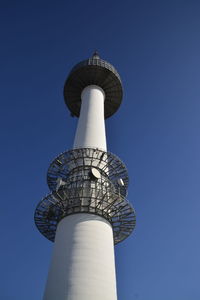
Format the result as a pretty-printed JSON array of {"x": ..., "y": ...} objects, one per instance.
[{"x": 93, "y": 71}]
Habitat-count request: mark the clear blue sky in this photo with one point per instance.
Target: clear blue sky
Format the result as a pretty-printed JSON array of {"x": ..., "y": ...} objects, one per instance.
[{"x": 155, "y": 46}]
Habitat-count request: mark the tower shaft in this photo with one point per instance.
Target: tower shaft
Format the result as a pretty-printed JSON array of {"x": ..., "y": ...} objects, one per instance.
[
  {"x": 91, "y": 126},
  {"x": 83, "y": 264}
]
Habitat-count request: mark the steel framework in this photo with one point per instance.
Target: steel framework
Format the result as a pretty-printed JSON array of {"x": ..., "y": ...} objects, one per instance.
[{"x": 81, "y": 192}]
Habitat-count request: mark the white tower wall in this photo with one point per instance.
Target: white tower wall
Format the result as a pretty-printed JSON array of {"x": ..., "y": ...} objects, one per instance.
[
  {"x": 91, "y": 126},
  {"x": 83, "y": 265}
]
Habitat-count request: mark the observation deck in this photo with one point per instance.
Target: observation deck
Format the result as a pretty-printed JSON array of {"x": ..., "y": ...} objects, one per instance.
[{"x": 93, "y": 71}]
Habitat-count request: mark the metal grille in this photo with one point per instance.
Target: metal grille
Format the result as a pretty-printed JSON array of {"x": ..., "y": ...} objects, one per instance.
[
  {"x": 99, "y": 200},
  {"x": 75, "y": 189},
  {"x": 107, "y": 163}
]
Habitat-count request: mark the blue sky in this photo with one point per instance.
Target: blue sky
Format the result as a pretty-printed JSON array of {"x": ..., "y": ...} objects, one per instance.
[{"x": 155, "y": 46}]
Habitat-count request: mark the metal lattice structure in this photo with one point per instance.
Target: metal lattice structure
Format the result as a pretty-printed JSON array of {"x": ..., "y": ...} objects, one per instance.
[
  {"x": 107, "y": 163},
  {"x": 81, "y": 192},
  {"x": 99, "y": 200}
]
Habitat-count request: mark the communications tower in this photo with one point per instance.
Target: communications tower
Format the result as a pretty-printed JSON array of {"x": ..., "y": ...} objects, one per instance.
[{"x": 86, "y": 213}]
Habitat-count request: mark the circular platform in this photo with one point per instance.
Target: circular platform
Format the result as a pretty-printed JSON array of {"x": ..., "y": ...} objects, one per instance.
[
  {"x": 106, "y": 163},
  {"x": 100, "y": 201},
  {"x": 93, "y": 71}
]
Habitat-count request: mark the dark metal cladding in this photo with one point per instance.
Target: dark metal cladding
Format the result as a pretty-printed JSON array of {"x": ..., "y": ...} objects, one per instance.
[{"x": 98, "y": 72}]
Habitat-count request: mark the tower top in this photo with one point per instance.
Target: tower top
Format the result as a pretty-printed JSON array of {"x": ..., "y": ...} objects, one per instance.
[
  {"x": 96, "y": 55},
  {"x": 93, "y": 71}
]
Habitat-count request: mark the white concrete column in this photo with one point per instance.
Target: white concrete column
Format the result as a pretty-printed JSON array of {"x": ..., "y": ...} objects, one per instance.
[
  {"x": 83, "y": 263},
  {"x": 83, "y": 266},
  {"x": 91, "y": 125}
]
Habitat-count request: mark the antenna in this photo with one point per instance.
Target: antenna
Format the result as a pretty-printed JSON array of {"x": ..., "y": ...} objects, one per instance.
[{"x": 60, "y": 183}]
